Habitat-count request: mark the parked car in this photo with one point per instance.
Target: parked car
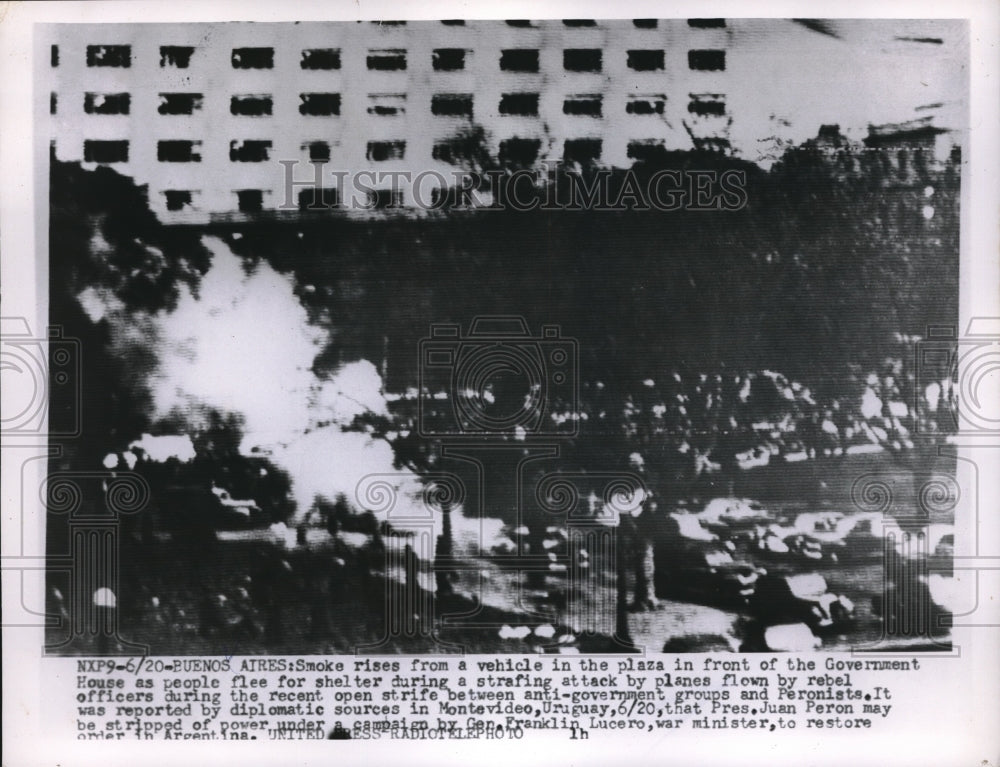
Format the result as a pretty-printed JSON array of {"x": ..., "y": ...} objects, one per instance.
[
  {"x": 802, "y": 598},
  {"x": 245, "y": 510},
  {"x": 708, "y": 575},
  {"x": 839, "y": 538},
  {"x": 736, "y": 519},
  {"x": 195, "y": 510}
]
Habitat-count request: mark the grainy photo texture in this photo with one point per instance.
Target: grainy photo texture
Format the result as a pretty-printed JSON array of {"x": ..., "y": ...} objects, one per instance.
[{"x": 560, "y": 337}]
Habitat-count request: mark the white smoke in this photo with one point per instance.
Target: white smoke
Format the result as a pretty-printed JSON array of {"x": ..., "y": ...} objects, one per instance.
[{"x": 244, "y": 345}]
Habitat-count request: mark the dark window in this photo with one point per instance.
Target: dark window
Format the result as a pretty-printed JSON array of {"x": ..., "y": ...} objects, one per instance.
[
  {"x": 464, "y": 148},
  {"x": 53, "y": 103},
  {"x": 320, "y": 58},
  {"x": 646, "y": 105},
  {"x": 453, "y": 22},
  {"x": 519, "y": 152},
  {"x": 54, "y": 55},
  {"x": 319, "y": 104},
  {"x": 707, "y": 104},
  {"x": 519, "y": 60},
  {"x": 706, "y": 23},
  {"x": 318, "y": 197},
  {"x": 177, "y": 199},
  {"x": 645, "y": 61},
  {"x": 106, "y": 103},
  {"x": 902, "y": 160},
  {"x": 519, "y": 104},
  {"x": 452, "y": 104},
  {"x": 178, "y": 56},
  {"x": 249, "y": 151},
  {"x": 105, "y": 151},
  {"x": 448, "y": 59},
  {"x": 250, "y": 106},
  {"x": 381, "y": 199},
  {"x": 646, "y": 150},
  {"x": 178, "y": 151},
  {"x": 445, "y": 151},
  {"x": 319, "y": 151},
  {"x": 443, "y": 197},
  {"x": 390, "y": 23},
  {"x": 387, "y": 60},
  {"x": 253, "y": 58},
  {"x": 829, "y": 132},
  {"x": 387, "y": 104},
  {"x": 518, "y": 23},
  {"x": 179, "y": 103},
  {"x": 644, "y": 23},
  {"x": 380, "y": 151},
  {"x": 582, "y": 59},
  {"x": 579, "y": 22},
  {"x": 707, "y": 61},
  {"x": 109, "y": 55},
  {"x": 250, "y": 200},
  {"x": 582, "y": 150},
  {"x": 584, "y": 105},
  {"x": 711, "y": 144}
]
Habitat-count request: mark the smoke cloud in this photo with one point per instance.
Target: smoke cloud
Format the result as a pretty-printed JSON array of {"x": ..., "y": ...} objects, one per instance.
[{"x": 242, "y": 344}]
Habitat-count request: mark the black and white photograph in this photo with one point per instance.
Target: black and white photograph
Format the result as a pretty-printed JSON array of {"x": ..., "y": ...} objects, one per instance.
[
  {"x": 496, "y": 280},
  {"x": 374, "y": 345}
]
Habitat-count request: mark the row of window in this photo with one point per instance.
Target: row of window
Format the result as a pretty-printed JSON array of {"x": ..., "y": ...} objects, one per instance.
[
  {"x": 252, "y": 200},
  {"x": 394, "y": 59},
  {"x": 179, "y": 56},
  {"x": 518, "y": 152},
  {"x": 394, "y": 104},
  {"x": 328, "y": 58}
]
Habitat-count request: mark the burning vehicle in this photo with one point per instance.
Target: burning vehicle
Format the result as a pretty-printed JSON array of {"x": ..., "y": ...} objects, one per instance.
[{"x": 196, "y": 510}]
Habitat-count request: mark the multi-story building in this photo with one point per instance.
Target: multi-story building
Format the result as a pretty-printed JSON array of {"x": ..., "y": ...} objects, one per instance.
[{"x": 214, "y": 117}]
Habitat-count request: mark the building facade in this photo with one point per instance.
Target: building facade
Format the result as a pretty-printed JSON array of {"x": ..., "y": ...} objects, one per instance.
[{"x": 217, "y": 118}]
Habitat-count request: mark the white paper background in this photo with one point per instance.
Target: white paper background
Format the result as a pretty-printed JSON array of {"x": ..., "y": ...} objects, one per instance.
[{"x": 946, "y": 716}]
